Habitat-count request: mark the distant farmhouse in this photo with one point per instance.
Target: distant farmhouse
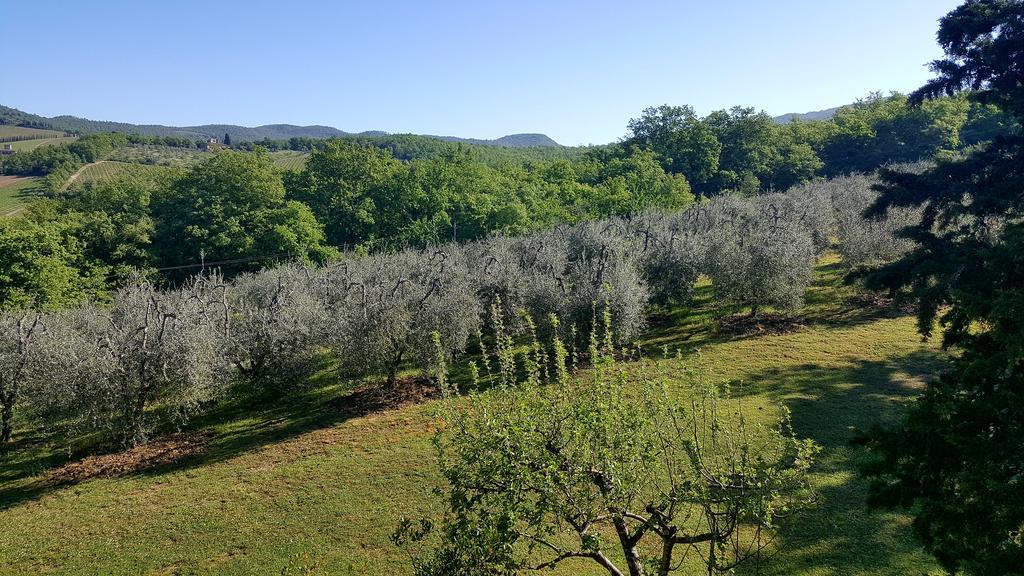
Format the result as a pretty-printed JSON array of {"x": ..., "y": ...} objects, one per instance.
[
  {"x": 214, "y": 144},
  {"x": 211, "y": 144}
]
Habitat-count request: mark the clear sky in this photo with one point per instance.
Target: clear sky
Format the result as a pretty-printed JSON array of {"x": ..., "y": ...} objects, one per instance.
[{"x": 577, "y": 71}]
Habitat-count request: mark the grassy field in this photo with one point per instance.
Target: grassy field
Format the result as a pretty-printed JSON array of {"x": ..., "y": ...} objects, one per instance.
[
  {"x": 6, "y": 131},
  {"x": 14, "y": 192},
  {"x": 29, "y": 145},
  {"x": 106, "y": 170},
  {"x": 290, "y": 160},
  {"x": 38, "y": 137},
  {"x": 315, "y": 484}
]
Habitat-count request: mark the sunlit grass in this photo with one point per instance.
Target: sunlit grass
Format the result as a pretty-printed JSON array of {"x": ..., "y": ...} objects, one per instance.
[{"x": 308, "y": 486}]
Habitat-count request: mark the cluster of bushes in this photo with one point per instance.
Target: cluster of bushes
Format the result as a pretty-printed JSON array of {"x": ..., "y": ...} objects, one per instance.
[{"x": 150, "y": 355}]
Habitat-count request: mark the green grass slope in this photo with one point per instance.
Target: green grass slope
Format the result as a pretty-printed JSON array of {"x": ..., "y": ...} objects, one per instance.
[
  {"x": 15, "y": 192},
  {"x": 315, "y": 484}
]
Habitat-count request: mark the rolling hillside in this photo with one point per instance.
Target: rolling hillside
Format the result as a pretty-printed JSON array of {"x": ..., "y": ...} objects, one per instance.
[{"x": 15, "y": 117}]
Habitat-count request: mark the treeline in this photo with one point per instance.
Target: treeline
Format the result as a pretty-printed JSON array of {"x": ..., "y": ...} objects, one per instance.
[
  {"x": 748, "y": 152},
  {"x": 237, "y": 211},
  {"x": 414, "y": 147},
  {"x": 24, "y": 137},
  {"x": 105, "y": 367}
]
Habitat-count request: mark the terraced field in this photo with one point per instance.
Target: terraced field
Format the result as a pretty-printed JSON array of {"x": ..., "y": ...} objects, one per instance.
[
  {"x": 290, "y": 160},
  {"x": 106, "y": 170},
  {"x": 15, "y": 191}
]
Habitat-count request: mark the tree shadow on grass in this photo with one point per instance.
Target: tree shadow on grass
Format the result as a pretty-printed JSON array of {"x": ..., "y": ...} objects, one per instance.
[
  {"x": 831, "y": 405},
  {"x": 238, "y": 425}
]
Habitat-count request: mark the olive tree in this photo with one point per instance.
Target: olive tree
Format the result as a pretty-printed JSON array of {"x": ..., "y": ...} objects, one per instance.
[
  {"x": 671, "y": 253},
  {"x": 541, "y": 473},
  {"x": 601, "y": 267},
  {"x": 517, "y": 274},
  {"x": 151, "y": 354},
  {"x": 19, "y": 362},
  {"x": 756, "y": 259},
  {"x": 868, "y": 240},
  {"x": 277, "y": 325},
  {"x": 807, "y": 207},
  {"x": 392, "y": 303}
]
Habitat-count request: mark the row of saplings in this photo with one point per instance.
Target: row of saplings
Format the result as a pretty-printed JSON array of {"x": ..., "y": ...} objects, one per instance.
[{"x": 548, "y": 467}]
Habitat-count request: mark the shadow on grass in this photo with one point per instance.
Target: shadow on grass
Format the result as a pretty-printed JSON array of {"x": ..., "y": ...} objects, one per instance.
[
  {"x": 831, "y": 405},
  {"x": 829, "y": 303},
  {"x": 240, "y": 424}
]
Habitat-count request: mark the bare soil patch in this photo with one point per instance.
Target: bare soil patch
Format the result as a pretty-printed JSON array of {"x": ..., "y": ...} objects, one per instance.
[
  {"x": 768, "y": 323},
  {"x": 881, "y": 303},
  {"x": 161, "y": 451},
  {"x": 7, "y": 180},
  {"x": 372, "y": 397}
]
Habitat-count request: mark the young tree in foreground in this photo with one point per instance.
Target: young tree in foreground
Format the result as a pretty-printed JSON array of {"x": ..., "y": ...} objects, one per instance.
[
  {"x": 957, "y": 460},
  {"x": 603, "y": 466}
]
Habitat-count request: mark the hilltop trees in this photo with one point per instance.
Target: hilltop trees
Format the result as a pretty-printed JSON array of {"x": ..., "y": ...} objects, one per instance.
[
  {"x": 957, "y": 459},
  {"x": 686, "y": 144},
  {"x": 233, "y": 208}
]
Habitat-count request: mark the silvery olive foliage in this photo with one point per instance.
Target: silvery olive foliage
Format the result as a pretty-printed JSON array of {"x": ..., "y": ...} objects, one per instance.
[
  {"x": 519, "y": 274},
  {"x": 807, "y": 207},
  {"x": 19, "y": 363},
  {"x": 602, "y": 268},
  {"x": 756, "y": 258},
  {"x": 671, "y": 252},
  {"x": 392, "y": 303},
  {"x": 113, "y": 366},
  {"x": 277, "y": 325},
  {"x": 861, "y": 240}
]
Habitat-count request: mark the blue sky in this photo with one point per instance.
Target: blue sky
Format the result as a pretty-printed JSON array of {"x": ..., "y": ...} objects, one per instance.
[{"x": 577, "y": 71}]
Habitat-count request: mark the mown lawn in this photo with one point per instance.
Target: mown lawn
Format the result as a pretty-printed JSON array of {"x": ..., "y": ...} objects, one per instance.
[{"x": 315, "y": 485}]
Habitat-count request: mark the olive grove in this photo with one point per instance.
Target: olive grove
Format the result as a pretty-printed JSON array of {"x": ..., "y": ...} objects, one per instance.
[{"x": 152, "y": 356}]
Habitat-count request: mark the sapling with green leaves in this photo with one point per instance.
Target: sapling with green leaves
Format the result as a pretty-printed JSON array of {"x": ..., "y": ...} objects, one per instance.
[{"x": 622, "y": 466}]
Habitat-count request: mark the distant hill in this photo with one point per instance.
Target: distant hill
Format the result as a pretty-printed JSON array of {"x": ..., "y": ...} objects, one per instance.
[
  {"x": 15, "y": 117},
  {"x": 510, "y": 141},
  {"x": 816, "y": 115}
]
